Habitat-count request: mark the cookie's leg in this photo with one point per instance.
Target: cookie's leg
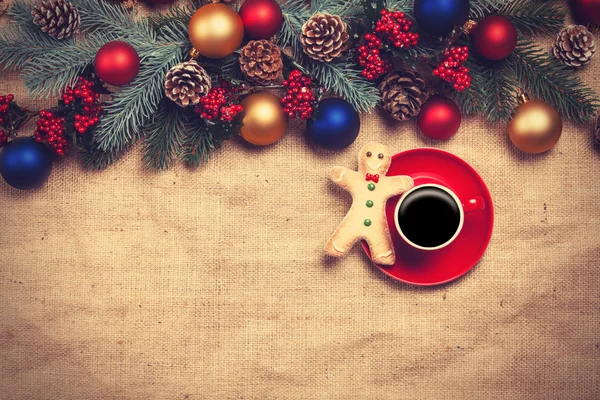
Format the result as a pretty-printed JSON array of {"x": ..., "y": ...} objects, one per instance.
[
  {"x": 381, "y": 247},
  {"x": 341, "y": 241}
]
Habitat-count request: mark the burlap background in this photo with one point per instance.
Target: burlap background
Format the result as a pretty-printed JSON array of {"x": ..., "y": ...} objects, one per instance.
[{"x": 212, "y": 283}]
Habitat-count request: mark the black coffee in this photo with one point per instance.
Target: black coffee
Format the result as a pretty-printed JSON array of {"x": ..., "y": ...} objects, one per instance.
[{"x": 429, "y": 217}]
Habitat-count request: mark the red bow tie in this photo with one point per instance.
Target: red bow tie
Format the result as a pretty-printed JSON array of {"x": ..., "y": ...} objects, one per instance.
[{"x": 374, "y": 178}]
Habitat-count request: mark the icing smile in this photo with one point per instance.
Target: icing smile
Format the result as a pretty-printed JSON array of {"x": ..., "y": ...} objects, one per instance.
[{"x": 372, "y": 167}]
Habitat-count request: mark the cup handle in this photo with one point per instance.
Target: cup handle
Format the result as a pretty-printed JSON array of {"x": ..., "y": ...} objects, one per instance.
[{"x": 474, "y": 204}]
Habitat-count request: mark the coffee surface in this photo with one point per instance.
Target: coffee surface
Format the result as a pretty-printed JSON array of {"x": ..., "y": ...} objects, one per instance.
[{"x": 429, "y": 217}]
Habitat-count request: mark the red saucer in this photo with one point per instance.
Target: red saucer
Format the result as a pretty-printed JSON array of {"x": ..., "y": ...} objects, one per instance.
[{"x": 427, "y": 268}]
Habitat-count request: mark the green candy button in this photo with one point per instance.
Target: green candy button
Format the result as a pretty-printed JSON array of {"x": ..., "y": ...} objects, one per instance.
[
  {"x": 369, "y": 203},
  {"x": 367, "y": 222},
  {"x": 371, "y": 186}
]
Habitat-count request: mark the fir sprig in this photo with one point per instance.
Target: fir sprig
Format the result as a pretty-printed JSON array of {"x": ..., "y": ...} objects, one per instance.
[
  {"x": 60, "y": 67},
  {"x": 544, "y": 78},
  {"x": 136, "y": 103},
  {"x": 102, "y": 16},
  {"x": 205, "y": 137},
  {"x": 341, "y": 77},
  {"x": 164, "y": 134},
  {"x": 499, "y": 97},
  {"x": 97, "y": 159},
  {"x": 532, "y": 17}
]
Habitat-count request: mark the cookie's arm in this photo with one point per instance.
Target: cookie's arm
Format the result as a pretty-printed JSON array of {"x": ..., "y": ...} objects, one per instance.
[
  {"x": 399, "y": 184},
  {"x": 342, "y": 176}
]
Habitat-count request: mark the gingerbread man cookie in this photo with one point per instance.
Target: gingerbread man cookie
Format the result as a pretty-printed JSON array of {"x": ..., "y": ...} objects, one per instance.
[{"x": 366, "y": 219}]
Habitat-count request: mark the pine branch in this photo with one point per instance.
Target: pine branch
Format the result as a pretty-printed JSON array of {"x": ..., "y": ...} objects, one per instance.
[
  {"x": 204, "y": 137},
  {"x": 172, "y": 26},
  {"x": 471, "y": 100},
  {"x": 102, "y": 16},
  {"x": 20, "y": 15},
  {"x": 18, "y": 47},
  {"x": 342, "y": 8},
  {"x": 97, "y": 159},
  {"x": 164, "y": 134},
  {"x": 534, "y": 17},
  {"x": 295, "y": 14},
  {"x": 59, "y": 67},
  {"x": 543, "y": 77},
  {"x": 340, "y": 77},
  {"x": 136, "y": 103},
  {"x": 499, "y": 91},
  {"x": 343, "y": 79},
  {"x": 481, "y": 8},
  {"x": 405, "y": 6}
]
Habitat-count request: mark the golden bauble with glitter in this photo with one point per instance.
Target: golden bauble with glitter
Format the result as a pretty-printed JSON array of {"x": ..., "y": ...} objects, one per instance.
[
  {"x": 216, "y": 31},
  {"x": 264, "y": 120},
  {"x": 535, "y": 126}
]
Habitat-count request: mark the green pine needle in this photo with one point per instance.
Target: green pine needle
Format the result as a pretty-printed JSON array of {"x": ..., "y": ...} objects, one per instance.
[
  {"x": 340, "y": 77},
  {"x": 137, "y": 102},
  {"x": 543, "y": 77},
  {"x": 204, "y": 137},
  {"x": 534, "y": 17},
  {"x": 61, "y": 66},
  {"x": 164, "y": 134},
  {"x": 499, "y": 91},
  {"x": 97, "y": 159},
  {"x": 471, "y": 100}
]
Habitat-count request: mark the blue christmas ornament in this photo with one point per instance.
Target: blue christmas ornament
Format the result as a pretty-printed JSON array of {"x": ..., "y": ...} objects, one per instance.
[
  {"x": 440, "y": 16},
  {"x": 335, "y": 126},
  {"x": 25, "y": 164}
]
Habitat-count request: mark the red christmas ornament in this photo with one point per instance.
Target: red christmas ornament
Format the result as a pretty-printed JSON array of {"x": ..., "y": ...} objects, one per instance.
[
  {"x": 117, "y": 63},
  {"x": 494, "y": 38},
  {"x": 262, "y": 18},
  {"x": 439, "y": 118},
  {"x": 586, "y": 11}
]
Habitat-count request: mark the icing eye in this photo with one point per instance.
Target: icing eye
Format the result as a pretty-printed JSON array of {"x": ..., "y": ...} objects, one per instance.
[
  {"x": 369, "y": 154},
  {"x": 380, "y": 155}
]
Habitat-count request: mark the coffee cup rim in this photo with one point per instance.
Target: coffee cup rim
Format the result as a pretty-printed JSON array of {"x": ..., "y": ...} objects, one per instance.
[{"x": 445, "y": 189}]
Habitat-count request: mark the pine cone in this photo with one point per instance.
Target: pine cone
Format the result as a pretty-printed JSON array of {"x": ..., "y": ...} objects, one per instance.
[
  {"x": 260, "y": 62},
  {"x": 597, "y": 131},
  {"x": 57, "y": 18},
  {"x": 574, "y": 46},
  {"x": 4, "y": 4},
  {"x": 403, "y": 93},
  {"x": 324, "y": 36},
  {"x": 128, "y": 4},
  {"x": 186, "y": 82}
]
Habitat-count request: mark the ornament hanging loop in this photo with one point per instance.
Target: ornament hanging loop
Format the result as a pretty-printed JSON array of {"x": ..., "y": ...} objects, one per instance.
[
  {"x": 522, "y": 96},
  {"x": 468, "y": 27},
  {"x": 194, "y": 54}
]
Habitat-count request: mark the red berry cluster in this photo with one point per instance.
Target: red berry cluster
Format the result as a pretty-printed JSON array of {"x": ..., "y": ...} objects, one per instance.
[
  {"x": 299, "y": 100},
  {"x": 4, "y": 119},
  {"x": 84, "y": 90},
  {"x": 369, "y": 57},
  {"x": 217, "y": 105},
  {"x": 395, "y": 28},
  {"x": 51, "y": 129},
  {"x": 452, "y": 68}
]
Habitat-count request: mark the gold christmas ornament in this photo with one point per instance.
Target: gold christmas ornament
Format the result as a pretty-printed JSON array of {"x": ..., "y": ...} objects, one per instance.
[
  {"x": 215, "y": 31},
  {"x": 264, "y": 120},
  {"x": 535, "y": 126}
]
